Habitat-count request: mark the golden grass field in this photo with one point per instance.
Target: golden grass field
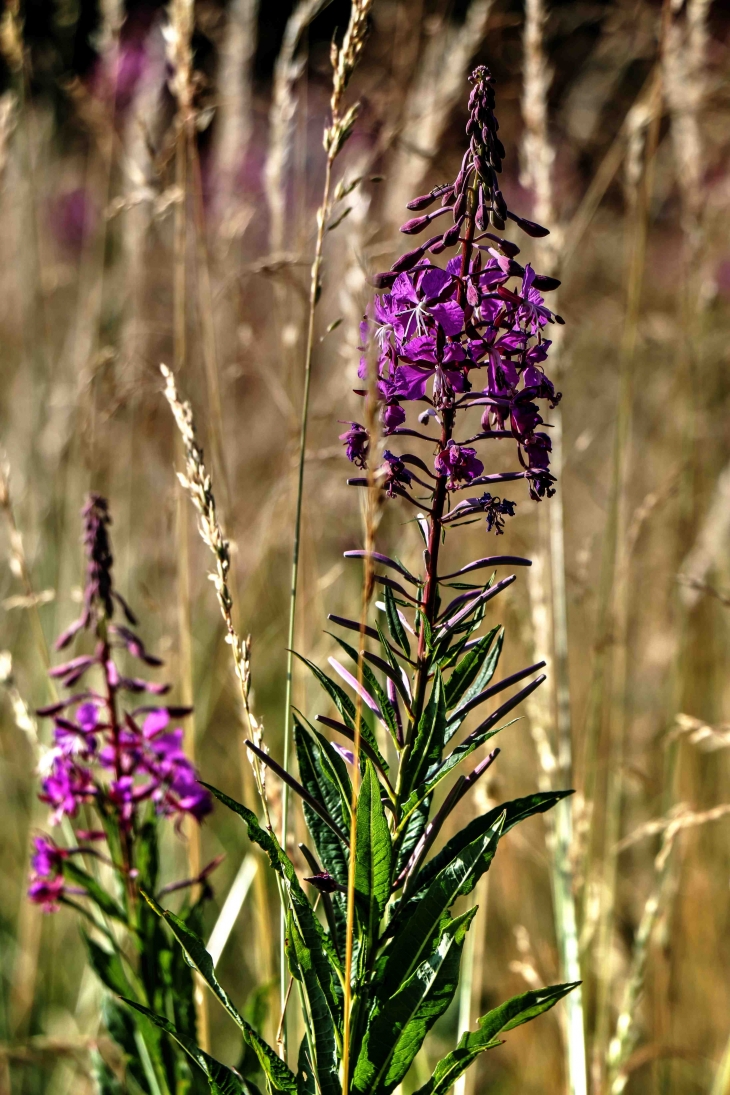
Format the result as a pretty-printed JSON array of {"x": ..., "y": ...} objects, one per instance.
[{"x": 158, "y": 205}]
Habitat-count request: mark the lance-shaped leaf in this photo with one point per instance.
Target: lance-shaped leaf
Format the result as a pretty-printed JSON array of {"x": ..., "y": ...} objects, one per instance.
[
  {"x": 385, "y": 560},
  {"x": 485, "y": 729},
  {"x": 324, "y": 953},
  {"x": 322, "y": 784},
  {"x": 481, "y": 599},
  {"x": 468, "y": 669},
  {"x": 514, "y": 811},
  {"x": 222, "y": 1080},
  {"x": 414, "y": 829},
  {"x": 398, "y": 676},
  {"x": 323, "y": 1029},
  {"x": 94, "y": 891},
  {"x": 374, "y": 854},
  {"x": 395, "y": 624},
  {"x": 278, "y": 1073},
  {"x": 372, "y": 681},
  {"x": 108, "y": 967},
  {"x": 413, "y": 939},
  {"x": 481, "y": 697},
  {"x": 428, "y": 743},
  {"x": 373, "y": 695},
  {"x": 396, "y": 1032},
  {"x": 489, "y": 561},
  {"x": 511, "y": 1014},
  {"x": 368, "y": 744},
  {"x": 296, "y": 786},
  {"x": 352, "y": 625},
  {"x": 339, "y": 697}
]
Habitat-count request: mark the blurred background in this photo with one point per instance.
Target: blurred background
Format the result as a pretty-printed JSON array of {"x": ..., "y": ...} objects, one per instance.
[{"x": 125, "y": 244}]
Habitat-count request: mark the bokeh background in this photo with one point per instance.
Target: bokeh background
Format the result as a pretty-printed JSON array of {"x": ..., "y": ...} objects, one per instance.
[{"x": 119, "y": 251}]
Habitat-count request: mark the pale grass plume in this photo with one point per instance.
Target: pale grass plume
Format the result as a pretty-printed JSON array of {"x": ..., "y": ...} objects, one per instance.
[
  {"x": 697, "y": 732},
  {"x": 626, "y": 1035}
]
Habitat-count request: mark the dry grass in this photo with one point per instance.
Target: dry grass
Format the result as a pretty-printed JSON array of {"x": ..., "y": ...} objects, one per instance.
[{"x": 185, "y": 256}]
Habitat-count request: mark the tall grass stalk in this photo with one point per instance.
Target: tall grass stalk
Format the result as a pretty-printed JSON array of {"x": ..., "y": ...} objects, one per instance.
[
  {"x": 538, "y": 161},
  {"x": 344, "y": 62},
  {"x": 614, "y": 607},
  {"x": 684, "y": 59}
]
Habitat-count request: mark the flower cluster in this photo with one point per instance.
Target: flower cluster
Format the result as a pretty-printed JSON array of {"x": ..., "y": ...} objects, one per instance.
[
  {"x": 464, "y": 337},
  {"x": 104, "y": 755}
]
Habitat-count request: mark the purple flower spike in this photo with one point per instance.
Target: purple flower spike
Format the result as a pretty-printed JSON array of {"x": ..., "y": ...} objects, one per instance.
[{"x": 101, "y": 756}]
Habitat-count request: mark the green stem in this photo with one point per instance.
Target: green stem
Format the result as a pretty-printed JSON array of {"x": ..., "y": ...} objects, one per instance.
[{"x": 313, "y": 296}]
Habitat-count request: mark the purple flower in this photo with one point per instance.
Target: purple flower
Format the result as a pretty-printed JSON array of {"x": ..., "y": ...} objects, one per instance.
[
  {"x": 496, "y": 510},
  {"x": 87, "y": 716},
  {"x": 459, "y": 463},
  {"x": 393, "y": 416},
  {"x": 395, "y": 474},
  {"x": 66, "y": 788},
  {"x": 357, "y": 442},
  {"x": 48, "y": 858},
  {"x": 532, "y": 311},
  {"x": 422, "y": 299},
  {"x": 46, "y": 892}
]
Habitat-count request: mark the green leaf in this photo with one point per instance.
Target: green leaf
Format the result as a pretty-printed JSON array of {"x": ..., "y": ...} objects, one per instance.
[
  {"x": 325, "y": 1037},
  {"x": 374, "y": 852},
  {"x": 429, "y": 740},
  {"x": 395, "y": 625},
  {"x": 511, "y": 1014},
  {"x": 373, "y": 686},
  {"x": 222, "y": 1080},
  {"x": 397, "y": 1032},
  {"x": 467, "y": 747},
  {"x": 108, "y": 967},
  {"x": 94, "y": 891},
  {"x": 280, "y": 1076},
  {"x": 412, "y": 833},
  {"x": 147, "y": 854},
  {"x": 514, "y": 811},
  {"x": 415, "y": 932},
  {"x": 339, "y": 697},
  {"x": 316, "y": 777},
  {"x": 469, "y": 667},
  {"x": 324, "y": 954}
]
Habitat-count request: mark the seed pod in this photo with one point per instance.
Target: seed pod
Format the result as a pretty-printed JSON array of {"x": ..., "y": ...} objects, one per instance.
[
  {"x": 422, "y": 202},
  {"x": 405, "y": 262},
  {"x": 542, "y": 281},
  {"x": 530, "y": 227},
  {"x": 451, "y": 236},
  {"x": 383, "y": 281},
  {"x": 414, "y": 226}
]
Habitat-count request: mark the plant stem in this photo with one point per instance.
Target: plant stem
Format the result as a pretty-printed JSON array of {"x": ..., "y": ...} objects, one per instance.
[
  {"x": 437, "y": 512},
  {"x": 367, "y": 591},
  {"x": 309, "y": 353}
]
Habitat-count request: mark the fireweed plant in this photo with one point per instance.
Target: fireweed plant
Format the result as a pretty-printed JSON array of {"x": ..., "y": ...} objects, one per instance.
[
  {"x": 113, "y": 772},
  {"x": 372, "y": 946}
]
